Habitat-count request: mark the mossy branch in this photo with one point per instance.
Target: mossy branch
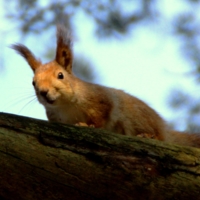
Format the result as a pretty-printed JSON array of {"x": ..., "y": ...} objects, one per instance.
[{"x": 42, "y": 160}]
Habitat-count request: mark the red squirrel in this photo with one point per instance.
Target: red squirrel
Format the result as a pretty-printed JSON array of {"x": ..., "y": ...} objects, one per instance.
[{"x": 68, "y": 99}]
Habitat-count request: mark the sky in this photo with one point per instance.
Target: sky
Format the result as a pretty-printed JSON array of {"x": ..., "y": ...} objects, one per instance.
[{"x": 144, "y": 64}]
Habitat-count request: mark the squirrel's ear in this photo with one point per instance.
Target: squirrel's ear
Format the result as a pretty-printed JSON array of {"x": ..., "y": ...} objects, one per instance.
[
  {"x": 27, "y": 54},
  {"x": 64, "y": 55}
]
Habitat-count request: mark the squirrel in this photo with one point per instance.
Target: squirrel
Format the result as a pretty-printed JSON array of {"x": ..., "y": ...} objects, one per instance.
[{"x": 68, "y": 99}]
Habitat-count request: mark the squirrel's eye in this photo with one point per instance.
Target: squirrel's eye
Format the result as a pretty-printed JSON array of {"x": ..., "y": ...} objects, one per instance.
[
  {"x": 60, "y": 75},
  {"x": 33, "y": 83}
]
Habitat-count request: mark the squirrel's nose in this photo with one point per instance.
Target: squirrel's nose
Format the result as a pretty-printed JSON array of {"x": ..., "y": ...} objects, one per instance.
[{"x": 44, "y": 93}]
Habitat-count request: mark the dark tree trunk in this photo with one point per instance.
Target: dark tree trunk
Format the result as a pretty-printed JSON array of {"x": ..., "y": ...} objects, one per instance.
[{"x": 41, "y": 160}]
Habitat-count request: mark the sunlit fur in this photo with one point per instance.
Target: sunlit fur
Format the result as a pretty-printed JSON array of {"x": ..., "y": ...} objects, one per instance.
[{"x": 69, "y": 100}]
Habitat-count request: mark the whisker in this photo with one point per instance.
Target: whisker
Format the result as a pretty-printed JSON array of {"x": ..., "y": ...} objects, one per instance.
[
  {"x": 14, "y": 102},
  {"x": 28, "y": 103},
  {"x": 22, "y": 96}
]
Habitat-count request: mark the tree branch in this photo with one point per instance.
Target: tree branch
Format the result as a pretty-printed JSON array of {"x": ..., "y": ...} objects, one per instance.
[{"x": 42, "y": 160}]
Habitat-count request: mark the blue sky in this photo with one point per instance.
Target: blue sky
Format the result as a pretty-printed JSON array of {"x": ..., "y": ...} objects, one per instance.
[{"x": 144, "y": 64}]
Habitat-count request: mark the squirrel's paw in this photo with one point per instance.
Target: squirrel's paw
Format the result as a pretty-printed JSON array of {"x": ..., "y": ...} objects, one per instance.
[
  {"x": 146, "y": 135},
  {"x": 84, "y": 124}
]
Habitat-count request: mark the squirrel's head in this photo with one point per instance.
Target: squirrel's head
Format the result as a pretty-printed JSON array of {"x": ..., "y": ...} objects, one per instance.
[{"x": 52, "y": 81}]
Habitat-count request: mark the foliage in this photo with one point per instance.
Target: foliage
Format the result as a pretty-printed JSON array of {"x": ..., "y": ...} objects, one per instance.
[
  {"x": 114, "y": 18},
  {"x": 186, "y": 109}
]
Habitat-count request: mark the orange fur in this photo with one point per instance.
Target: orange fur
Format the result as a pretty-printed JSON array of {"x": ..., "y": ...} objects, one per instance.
[{"x": 67, "y": 99}]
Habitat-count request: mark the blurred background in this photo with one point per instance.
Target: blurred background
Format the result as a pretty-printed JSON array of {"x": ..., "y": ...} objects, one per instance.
[{"x": 148, "y": 48}]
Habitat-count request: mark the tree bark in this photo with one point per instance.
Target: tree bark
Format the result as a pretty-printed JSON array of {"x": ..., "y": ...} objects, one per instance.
[{"x": 42, "y": 160}]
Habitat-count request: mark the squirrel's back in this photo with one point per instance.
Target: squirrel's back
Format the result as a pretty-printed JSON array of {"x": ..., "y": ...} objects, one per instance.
[{"x": 131, "y": 116}]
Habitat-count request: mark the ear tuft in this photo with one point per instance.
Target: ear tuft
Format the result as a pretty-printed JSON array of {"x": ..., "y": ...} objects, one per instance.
[
  {"x": 64, "y": 55},
  {"x": 27, "y": 54}
]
